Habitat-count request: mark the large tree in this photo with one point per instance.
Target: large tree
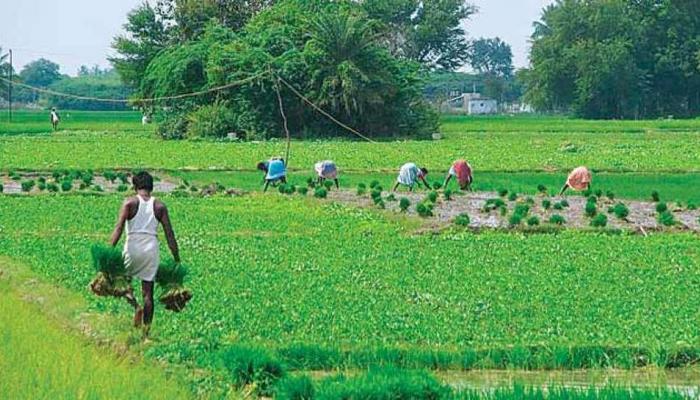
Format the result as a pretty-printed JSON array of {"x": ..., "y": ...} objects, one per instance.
[
  {"x": 5, "y": 69},
  {"x": 429, "y": 32},
  {"x": 491, "y": 56},
  {"x": 41, "y": 73},
  {"x": 616, "y": 58}
]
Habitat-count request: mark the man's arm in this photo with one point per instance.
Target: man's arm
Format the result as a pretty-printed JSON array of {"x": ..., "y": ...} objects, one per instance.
[
  {"x": 121, "y": 220},
  {"x": 447, "y": 180},
  {"x": 425, "y": 182},
  {"x": 169, "y": 233}
]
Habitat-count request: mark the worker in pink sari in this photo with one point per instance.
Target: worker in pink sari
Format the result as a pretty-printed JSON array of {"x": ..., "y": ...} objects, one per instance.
[
  {"x": 462, "y": 171},
  {"x": 579, "y": 179}
]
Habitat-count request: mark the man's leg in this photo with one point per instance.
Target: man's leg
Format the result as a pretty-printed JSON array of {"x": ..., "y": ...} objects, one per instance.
[
  {"x": 138, "y": 311},
  {"x": 147, "y": 288},
  {"x": 267, "y": 183},
  {"x": 337, "y": 184}
]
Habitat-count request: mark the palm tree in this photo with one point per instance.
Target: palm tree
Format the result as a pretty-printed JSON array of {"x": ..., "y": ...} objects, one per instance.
[{"x": 351, "y": 73}]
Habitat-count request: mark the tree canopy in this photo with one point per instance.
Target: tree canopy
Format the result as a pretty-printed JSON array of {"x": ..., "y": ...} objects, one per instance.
[{"x": 617, "y": 58}]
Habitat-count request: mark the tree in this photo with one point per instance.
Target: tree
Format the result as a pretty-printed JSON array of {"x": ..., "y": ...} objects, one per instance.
[
  {"x": 40, "y": 73},
  {"x": 492, "y": 57},
  {"x": 95, "y": 83},
  {"x": 429, "y": 32},
  {"x": 147, "y": 35},
  {"x": 5, "y": 69}
]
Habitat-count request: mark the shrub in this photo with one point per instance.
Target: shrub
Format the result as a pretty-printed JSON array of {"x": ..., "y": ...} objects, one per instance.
[
  {"x": 600, "y": 221},
  {"x": 620, "y": 210},
  {"x": 295, "y": 388},
  {"x": 303, "y": 190},
  {"x": 321, "y": 193},
  {"x": 252, "y": 365},
  {"x": 503, "y": 192},
  {"x": 462, "y": 219},
  {"x": 546, "y": 204},
  {"x": 210, "y": 121},
  {"x": 591, "y": 209},
  {"x": 361, "y": 189},
  {"x": 437, "y": 185},
  {"x": 513, "y": 196},
  {"x": 542, "y": 188},
  {"x": 655, "y": 196},
  {"x": 66, "y": 185},
  {"x": 515, "y": 220},
  {"x": 610, "y": 195},
  {"x": 557, "y": 219},
  {"x": 52, "y": 187},
  {"x": 28, "y": 185},
  {"x": 432, "y": 196},
  {"x": 373, "y": 184},
  {"x": 661, "y": 207},
  {"x": 666, "y": 218},
  {"x": 447, "y": 194},
  {"x": 533, "y": 221},
  {"x": 404, "y": 203},
  {"x": 425, "y": 209},
  {"x": 123, "y": 188}
]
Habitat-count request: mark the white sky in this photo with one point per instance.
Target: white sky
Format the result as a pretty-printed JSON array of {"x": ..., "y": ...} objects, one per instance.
[{"x": 76, "y": 32}]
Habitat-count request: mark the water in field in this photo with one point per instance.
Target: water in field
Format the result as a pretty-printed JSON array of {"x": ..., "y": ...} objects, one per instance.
[{"x": 685, "y": 381}]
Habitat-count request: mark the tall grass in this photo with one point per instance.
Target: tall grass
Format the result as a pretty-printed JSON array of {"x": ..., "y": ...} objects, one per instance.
[{"x": 39, "y": 360}]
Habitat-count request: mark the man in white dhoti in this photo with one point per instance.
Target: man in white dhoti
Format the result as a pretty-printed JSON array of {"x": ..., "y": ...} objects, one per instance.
[
  {"x": 141, "y": 215},
  {"x": 55, "y": 119}
]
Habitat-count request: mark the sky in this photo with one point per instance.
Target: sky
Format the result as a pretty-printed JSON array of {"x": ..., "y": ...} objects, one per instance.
[{"x": 79, "y": 32}]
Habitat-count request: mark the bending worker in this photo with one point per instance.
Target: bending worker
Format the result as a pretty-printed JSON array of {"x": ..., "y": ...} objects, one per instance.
[
  {"x": 409, "y": 175},
  {"x": 275, "y": 171},
  {"x": 327, "y": 170},
  {"x": 463, "y": 172},
  {"x": 579, "y": 179}
]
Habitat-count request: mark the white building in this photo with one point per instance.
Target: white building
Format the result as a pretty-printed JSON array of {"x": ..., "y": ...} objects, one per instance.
[{"x": 482, "y": 106}]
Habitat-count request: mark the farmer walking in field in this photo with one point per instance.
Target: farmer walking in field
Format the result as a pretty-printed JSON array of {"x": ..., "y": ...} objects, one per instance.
[
  {"x": 275, "y": 171},
  {"x": 409, "y": 174},
  {"x": 55, "y": 119},
  {"x": 578, "y": 179},
  {"x": 462, "y": 171},
  {"x": 141, "y": 214},
  {"x": 327, "y": 170}
]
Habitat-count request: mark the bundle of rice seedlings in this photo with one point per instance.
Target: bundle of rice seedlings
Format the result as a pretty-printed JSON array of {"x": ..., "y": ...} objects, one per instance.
[
  {"x": 41, "y": 179},
  {"x": 391, "y": 197},
  {"x": 66, "y": 185},
  {"x": 462, "y": 219},
  {"x": 404, "y": 203},
  {"x": 492, "y": 204},
  {"x": 542, "y": 188},
  {"x": 361, "y": 189},
  {"x": 546, "y": 204},
  {"x": 111, "y": 279},
  {"x": 27, "y": 185},
  {"x": 41, "y": 186},
  {"x": 591, "y": 209},
  {"x": 564, "y": 203},
  {"x": 502, "y": 192},
  {"x": 598, "y": 193},
  {"x": 533, "y": 221},
  {"x": 447, "y": 194},
  {"x": 373, "y": 184},
  {"x": 303, "y": 190},
  {"x": 515, "y": 219},
  {"x": 655, "y": 196},
  {"x": 600, "y": 221},
  {"x": 328, "y": 184},
  {"x": 123, "y": 177},
  {"x": 52, "y": 187},
  {"x": 123, "y": 188},
  {"x": 610, "y": 195},
  {"x": 56, "y": 175},
  {"x": 557, "y": 219},
  {"x": 171, "y": 279},
  {"x": 692, "y": 206},
  {"x": 666, "y": 218},
  {"x": 110, "y": 176},
  {"x": 425, "y": 209},
  {"x": 311, "y": 182},
  {"x": 375, "y": 194},
  {"x": 661, "y": 208},
  {"x": 620, "y": 210},
  {"x": 437, "y": 185},
  {"x": 320, "y": 193},
  {"x": 193, "y": 188},
  {"x": 432, "y": 196},
  {"x": 513, "y": 196}
]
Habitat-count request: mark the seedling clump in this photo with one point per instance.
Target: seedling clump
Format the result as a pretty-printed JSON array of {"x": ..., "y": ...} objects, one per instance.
[
  {"x": 513, "y": 196},
  {"x": 110, "y": 176},
  {"x": 404, "y": 203},
  {"x": 533, "y": 221},
  {"x": 66, "y": 185},
  {"x": 123, "y": 188},
  {"x": 591, "y": 209},
  {"x": 303, "y": 190},
  {"x": 610, "y": 195},
  {"x": 27, "y": 186},
  {"x": 598, "y": 193},
  {"x": 361, "y": 189},
  {"x": 320, "y": 193},
  {"x": 515, "y": 219},
  {"x": 542, "y": 188},
  {"x": 447, "y": 194},
  {"x": 661, "y": 207},
  {"x": 621, "y": 211},
  {"x": 437, "y": 185},
  {"x": 546, "y": 204},
  {"x": 502, "y": 192},
  {"x": 692, "y": 206},
  {"x": 425, "y": 209},
  {"x": 111, "y": 279},
  {"x": 462, "y": 220},
  {"x": 600, "y": 221},
  {"x": 433, "y": 196},
  {"x": 52, "y": 187},
  {"x": 558, "y": 206},
  {"x": 328, "y": 184},
  {"x": 492, "y": 204},
  {"x": 374, "y": 184},
  {"x": 171, "y": 279},
  {"x": 655, "y": 196},
  {"x": 666, "y": 218},
  {"x": 557, "y": 219},
  {"x": 391, "y": 197}
]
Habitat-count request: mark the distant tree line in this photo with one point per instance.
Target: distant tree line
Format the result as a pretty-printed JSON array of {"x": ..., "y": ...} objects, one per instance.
[
  {"x": 617, "y": 58},
  {"x": 363, "y": 61}
]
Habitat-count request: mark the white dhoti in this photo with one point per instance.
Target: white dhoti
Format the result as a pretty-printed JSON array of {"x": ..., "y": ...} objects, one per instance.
[{"x": 142, "y": 256}]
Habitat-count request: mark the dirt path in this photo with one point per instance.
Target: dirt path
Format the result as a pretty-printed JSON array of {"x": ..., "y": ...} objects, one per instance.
[{"x": 642, "y": 215}]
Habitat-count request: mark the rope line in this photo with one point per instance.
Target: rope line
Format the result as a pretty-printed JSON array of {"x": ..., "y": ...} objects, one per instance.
[
  {"x": 144, "y": 100},
  {"x": 320, "y": 110}
]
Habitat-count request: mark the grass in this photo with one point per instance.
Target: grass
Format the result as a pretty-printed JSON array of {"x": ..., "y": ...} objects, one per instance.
[
  {"x": 41, "y": 361},
  {"x": 36, "y": 123}
]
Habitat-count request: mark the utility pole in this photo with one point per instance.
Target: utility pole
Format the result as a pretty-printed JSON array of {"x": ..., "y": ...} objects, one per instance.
[{"x": 9, "y": 90}]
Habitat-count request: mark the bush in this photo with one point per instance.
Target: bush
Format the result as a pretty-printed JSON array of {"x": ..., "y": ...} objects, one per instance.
[
  {"x": 462, "y": 220},
  {"x": 252, "y": 365},
  {"x": 591, "y": 209},
  {"x": 661, "y": 207},
  {"x": 433, "y": 196},
  {"x": 542, "y": 188},
  {"x": 28, "y": 185},
  {"x": 513, "y": 196},
  {"x": 546, "y": 204},
  {"x": 210, "y": 121},
  {"x": 404, "y": 203},
  {"x": 557, "y": 219},
  {"x": 655, "y": 196},
  {"x": 321, "y": 193},
  {"x": 503, "y": 192},
  {"x": 361, "y": 189},
  {"x": 600, "y": 221},
  {"x": 666, "y": 218},
  {"x": 425, "y": 209},
  {"x": 533, "y": 221},
  {"x": 295, "y": 388},
  {"x": 66, "y": 185},
  {"x": 515, "y": 220},
  {"x": 621, "y": 211},
  {"x": 447, "y": 194}
]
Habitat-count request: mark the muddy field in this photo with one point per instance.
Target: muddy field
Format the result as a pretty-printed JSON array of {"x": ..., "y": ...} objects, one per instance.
[
  {"x": 10, "y": 186},
  {"x": 642, "y": 215}
]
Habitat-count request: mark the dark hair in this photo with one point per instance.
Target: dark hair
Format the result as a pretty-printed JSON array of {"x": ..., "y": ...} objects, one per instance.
[
  {"x": 142, "y": 180},
  {"x": 424, "y": 170},
  {"x": 262, "y": 166}
]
